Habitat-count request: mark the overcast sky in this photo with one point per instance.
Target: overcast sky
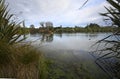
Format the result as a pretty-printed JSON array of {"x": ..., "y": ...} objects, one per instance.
[{"x": 60, "y": 12}]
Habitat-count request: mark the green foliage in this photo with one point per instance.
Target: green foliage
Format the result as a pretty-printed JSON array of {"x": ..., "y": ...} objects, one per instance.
[
  {"x": 27, "y": 55},
  {"x": 64, "y": 70},
  {"x": 21, "y": 62},
  {"x": 7, "y": 62},
  {"x": 23, "y": 30},
  {"x": 92, "y": 27},
  {"x": 9, "y": 30},
  {"x": 4, "y": 54},
  {"x": 30, "y": 63},
  {"x": 17, "y": 61},
  {"x": 114, "y": 15},
  {"x": 43, "y": 67},
  {"x": 33, "y": 30},
  {"x": 111, "y": 50}
]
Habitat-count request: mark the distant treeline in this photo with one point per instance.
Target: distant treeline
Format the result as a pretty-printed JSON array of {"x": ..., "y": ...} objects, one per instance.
[{"x": 92, "y": 27}]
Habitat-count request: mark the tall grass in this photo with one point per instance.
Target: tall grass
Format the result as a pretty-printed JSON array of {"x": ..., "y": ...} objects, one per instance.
[
  {"x": 7, "y": 63},
  {"x": 21, "y": 62},
  {"x": 29, "y": 64},
  {"x": 17, "y": 60},
  {"x": 110, "y": 54}
]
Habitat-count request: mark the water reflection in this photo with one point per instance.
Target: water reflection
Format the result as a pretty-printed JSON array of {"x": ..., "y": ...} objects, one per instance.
[
  {"x": 70, "y": 48},
  {"x": 92, "y": 35},
  {"x": 59, "y": 35},
  {"x": 51, "y": 37},
  {"x": 46, "y": 37},
  {"x": 75, "y": 41},
  {"x": 86, "y": 35}
]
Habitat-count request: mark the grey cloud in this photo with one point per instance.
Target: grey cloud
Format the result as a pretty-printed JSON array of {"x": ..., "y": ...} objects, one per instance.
[{"x": 57, "y": 11}]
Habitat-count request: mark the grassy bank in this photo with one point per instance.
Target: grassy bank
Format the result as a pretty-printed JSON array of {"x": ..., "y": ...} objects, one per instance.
[
  {"x": 21, "y": 62},
  {"x": 25, "y": 62}
]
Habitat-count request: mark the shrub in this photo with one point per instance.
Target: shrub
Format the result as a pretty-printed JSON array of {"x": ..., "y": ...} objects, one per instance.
[
  {"x": 17, "y": 60},
  {"x": 9, "y": 30},
  {"x": 29, "y": 64},
  {"x": 7, "y": 63}
]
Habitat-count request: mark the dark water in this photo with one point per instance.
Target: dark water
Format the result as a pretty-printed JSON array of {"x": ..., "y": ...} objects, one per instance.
[{"x": 70, "y": 48}]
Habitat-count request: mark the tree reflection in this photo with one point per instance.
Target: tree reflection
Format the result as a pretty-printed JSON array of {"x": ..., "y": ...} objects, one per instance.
[
  {"x": 46, "y": 37},
  {"x": 59, "y": 35},
  {"x": 92, "y": 35}
]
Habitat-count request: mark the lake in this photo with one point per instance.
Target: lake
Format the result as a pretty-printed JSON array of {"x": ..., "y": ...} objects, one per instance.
[{"x": 70, "y": 49}]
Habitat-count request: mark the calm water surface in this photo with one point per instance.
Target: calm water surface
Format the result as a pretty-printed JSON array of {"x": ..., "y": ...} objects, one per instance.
[
  {"x": 67, "y": 45},
  {"x": 66, "y": 41},
  {"x": 69, "y": 48}
]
